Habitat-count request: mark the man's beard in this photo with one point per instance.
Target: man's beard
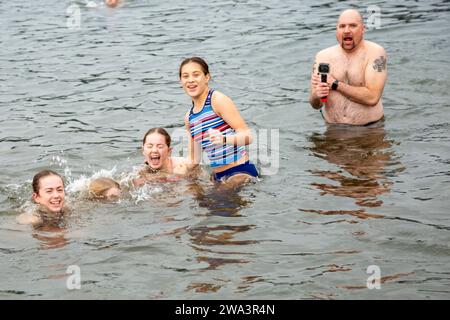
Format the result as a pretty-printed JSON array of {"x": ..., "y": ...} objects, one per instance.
[{"x": 352, "y": 46}]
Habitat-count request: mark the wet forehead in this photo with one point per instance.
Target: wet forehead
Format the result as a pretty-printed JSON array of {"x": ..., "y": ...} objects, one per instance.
[
  {"x": 350, "y": 17},
  {"x": 51, "y": 182},
  {"x": 191, "y": 67},
  {"x": 155, "y": 138}
]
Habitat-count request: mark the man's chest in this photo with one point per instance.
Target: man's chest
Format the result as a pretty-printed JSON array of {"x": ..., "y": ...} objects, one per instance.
[{"x": 351, "y": 71}]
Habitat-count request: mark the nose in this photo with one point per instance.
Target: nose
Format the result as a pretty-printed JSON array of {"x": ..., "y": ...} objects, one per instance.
[{"x": 190, "y": 78}]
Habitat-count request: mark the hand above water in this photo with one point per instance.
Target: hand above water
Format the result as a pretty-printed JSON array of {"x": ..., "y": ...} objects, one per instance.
[
  {"x": 215, "y": 136},
  {"x": 321, "y": 89}
]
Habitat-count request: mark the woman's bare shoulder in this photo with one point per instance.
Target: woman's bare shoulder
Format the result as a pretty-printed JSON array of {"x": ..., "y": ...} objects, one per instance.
[
  {"x": 179, "y": 160},
  {"x": 183, "y": 166},
  {"x": 28, "y": 218}
]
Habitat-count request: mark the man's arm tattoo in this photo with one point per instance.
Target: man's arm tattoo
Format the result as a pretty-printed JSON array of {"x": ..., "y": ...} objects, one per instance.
[{"x": 379, "y": 64}]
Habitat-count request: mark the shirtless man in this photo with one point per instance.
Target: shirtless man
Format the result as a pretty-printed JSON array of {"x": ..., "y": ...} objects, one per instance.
[{"x": 358, "y": 72}]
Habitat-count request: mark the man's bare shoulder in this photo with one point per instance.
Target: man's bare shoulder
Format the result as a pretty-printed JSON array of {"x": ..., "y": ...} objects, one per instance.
[
  {"x": 374, "y": 49},
  {"x": 328, "y": 52}
]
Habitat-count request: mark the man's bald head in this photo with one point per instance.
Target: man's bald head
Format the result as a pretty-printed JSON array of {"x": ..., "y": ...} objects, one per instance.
[
  {"x": 350, "y": 30},
  {"x": 351, "y": 14}
]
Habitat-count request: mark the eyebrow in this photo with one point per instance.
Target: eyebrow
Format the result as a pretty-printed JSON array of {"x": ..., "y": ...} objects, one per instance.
[
  {"x": 187, "y": 73},
  {"x": 50, "y": 188}
]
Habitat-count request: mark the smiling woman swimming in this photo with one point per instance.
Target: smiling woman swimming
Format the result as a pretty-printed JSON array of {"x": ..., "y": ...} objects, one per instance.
[
  {"x": 159, "y": 164},
  {"x": 49, "y": 195}
]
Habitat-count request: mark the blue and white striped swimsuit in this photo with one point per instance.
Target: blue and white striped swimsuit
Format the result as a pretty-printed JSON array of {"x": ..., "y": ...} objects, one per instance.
[{"x": 199, "y": 123}]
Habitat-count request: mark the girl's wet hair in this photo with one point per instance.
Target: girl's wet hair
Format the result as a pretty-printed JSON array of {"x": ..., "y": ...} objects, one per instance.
[
  {"x": 161, "y": 131},
  {"x": 100, "y": 186},
  {"x": 42, "y": 174},
  {"x": 197, "y": 60}
]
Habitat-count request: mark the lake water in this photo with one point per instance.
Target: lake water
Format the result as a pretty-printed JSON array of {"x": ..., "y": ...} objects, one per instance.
[{"x": 332, "y": 201}]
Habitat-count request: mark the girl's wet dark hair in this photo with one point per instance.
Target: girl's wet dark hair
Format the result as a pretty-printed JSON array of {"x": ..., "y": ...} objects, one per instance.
[
  {"x": 197, "y": 60},
  {"x": 161, "y": 131},
  {"x": 42, "y": 174}
]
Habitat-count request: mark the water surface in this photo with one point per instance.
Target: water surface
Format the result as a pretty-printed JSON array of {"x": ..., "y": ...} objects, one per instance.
[{"x": 342, "y": 199}]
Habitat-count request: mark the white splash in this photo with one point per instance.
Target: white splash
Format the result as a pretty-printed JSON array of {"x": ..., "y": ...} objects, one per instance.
[
  {"x": 81, "y": 184},
  {"x": 62, "y": 163},
  {"x": 91, "y": 4},
  {"x": 145, "y": 192}
]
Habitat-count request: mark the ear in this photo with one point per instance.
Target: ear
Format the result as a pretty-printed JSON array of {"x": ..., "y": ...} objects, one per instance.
[
  {"x": 35, "y": 197},
  {"x": 208, "y": 77},
  {"x": 170, "y": 151}
]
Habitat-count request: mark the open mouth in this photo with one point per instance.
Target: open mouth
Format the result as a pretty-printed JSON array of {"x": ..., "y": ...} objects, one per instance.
[
  {"x": 55, "y": 203},
  {"x": 155, "y": 161},
  {"x": 191, "y": 87},
  {"x": 348, "y": 40}
]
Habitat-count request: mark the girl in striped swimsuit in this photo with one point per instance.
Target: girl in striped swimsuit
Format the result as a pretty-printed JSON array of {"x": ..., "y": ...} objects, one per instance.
[{"x": 215, "y": 125}]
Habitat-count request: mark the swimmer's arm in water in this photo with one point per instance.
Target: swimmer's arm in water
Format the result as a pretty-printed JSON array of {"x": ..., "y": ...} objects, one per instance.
[
  {"x": 226, "y": 109},
  {"x": 137, "y": 182},
  {"x": 194, "y": 148},
  {"x": 142, "y": 178},
  {"x": 27, "y": 218},
  {"x": 375, "y": 78}
]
